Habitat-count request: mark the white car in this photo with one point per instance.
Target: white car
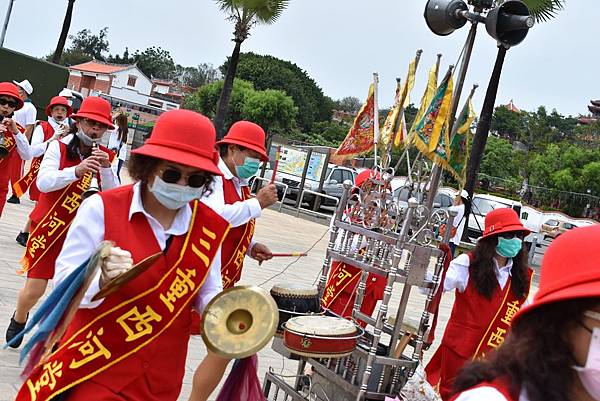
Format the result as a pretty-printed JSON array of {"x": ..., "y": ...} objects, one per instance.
[{"x": 481, "y": 206}]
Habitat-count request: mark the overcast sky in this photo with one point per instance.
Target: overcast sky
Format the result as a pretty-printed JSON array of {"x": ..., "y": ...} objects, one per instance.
[{"x": 340, "y": 43}]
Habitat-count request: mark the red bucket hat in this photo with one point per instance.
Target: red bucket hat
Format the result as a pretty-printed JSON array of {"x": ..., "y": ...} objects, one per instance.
[
  {"x": 570, "y": 268},
  {"x": 10, "y": 89},
  {"x": 97, "y": 109},
  {"x": 59, "y": 101},
  {"x": 247, "y": 135},
  {"x": 183, "y": 136},
  {"x": 503, "y": 220}
]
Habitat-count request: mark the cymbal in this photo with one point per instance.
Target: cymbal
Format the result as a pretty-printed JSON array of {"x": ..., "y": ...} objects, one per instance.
[
  {"x": 239, "y": 322},
  {"x": 122, "y": 279}
]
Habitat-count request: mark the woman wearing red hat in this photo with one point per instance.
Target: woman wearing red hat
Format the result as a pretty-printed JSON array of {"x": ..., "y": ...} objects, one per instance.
[
  {"x": 45, "y": 132},
  {"x": 241, "y": 151},
  {"x": 9, "y": 130},
  {"x": 553, "y": 351},
  {"x": 491, "y": 283},
  {"x": 65, "y": 173},
  {"x": 132, "y": 345}
]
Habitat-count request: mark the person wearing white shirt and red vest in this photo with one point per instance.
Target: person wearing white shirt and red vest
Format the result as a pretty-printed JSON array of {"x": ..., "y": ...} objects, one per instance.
[
  {"x": 58, "y": 110},
  {"x": 10, "y": 100},
  {"x": 491, "y": 284},
  {"x": 241, "y": 151},
  {"x": 25, "y": 117},
  {"x": 553, "y": 351},
  {"x": 64, "y": 175},
  {"x": 142, "y": 329}
]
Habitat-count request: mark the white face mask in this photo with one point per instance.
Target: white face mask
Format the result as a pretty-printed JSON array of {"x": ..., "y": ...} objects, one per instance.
[
  {"x": 590, "y": 373},
  {"x": 173, "y": 196},
  {"x": 86, "y": 140}
]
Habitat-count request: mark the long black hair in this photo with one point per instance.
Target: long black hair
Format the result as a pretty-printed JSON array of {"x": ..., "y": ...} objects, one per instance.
[
  {"x": 482, "y": 269},
  {"x": 537, "y": 355}
]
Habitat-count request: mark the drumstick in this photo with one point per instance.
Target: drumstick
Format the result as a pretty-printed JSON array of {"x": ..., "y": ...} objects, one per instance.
[
  {"x": 289, "y": 255},
  {"x": 277, "y": 157}
]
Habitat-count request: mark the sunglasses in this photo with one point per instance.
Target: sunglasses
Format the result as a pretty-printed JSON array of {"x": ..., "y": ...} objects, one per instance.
[
  {"x": 11, "y": 103},
  {"x": 512, "y": 235},
  {"x": 92, "y": 123},
  {"x": 172, "y": 175}
]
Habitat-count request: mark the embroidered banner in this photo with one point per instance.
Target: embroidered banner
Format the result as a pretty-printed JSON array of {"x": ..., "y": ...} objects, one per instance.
[
  {"x": 21, "y": 186},
  {"x": 130, "y": 326},
  {"x": 340, "y": 277}
]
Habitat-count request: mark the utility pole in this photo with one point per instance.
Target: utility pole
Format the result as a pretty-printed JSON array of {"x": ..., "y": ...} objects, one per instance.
[{"x": 5, "y": 26}]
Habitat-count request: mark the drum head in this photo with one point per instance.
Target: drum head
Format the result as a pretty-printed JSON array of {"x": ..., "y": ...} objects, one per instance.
[
  {"x": 239, "y": 322},
  {"x": 321, "y": 325},
  {"x": 294, "y": 289}
]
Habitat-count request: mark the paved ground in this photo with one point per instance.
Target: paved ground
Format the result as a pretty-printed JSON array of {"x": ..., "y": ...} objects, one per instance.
[{"x": 281, "y": 232}]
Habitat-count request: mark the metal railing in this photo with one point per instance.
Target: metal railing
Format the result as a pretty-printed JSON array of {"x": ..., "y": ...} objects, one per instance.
[
  {"x": 316, "y": 194},
  {"x": 277, "y": 183}
]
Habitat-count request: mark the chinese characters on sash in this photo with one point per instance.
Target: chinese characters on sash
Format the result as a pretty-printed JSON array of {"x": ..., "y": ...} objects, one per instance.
[{"x": 341, "y": 276}]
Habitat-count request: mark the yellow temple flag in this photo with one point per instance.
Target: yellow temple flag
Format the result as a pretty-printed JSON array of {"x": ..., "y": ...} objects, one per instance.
[{"x": 425, "y": 100}]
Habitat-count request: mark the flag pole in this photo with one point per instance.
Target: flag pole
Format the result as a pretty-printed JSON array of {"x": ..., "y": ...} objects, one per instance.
[{"x": 375, "y": 116}]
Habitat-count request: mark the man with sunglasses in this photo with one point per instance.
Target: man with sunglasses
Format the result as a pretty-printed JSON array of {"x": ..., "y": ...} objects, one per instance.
[
  {"x": 142, "y": 330},
  {"x": 491, "y": 284},
  {"x": 10, "y": 101},
  {"x": 65, "y": 174},
  {"x": 241, "y": 151}
]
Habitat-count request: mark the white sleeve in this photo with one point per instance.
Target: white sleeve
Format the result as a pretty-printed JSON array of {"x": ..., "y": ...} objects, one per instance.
[
  {"x": 236, "y": 214},
  {"x": 50, "y": 178},
  {"x": 23, "y": 147},
  {"x": 108, "y": 177},
  {"x": 484, "y": 393},
  {"x": 457, "y": 275},
  {"x": 84, "y": 235},
  {"x": 30, "y": 116},
  {"x": 38, "y": 146},
  {"x": 212, "y": 285}
]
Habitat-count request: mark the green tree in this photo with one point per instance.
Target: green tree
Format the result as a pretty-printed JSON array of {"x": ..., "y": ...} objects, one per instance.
[
  {"x": 155, "y": 62},
  {"x": 590, "y": 177},
  {"x": 64, "y": 32},
  {"x": 205, "y": 100},
  {"x": 196, "y": 76},
  {"x": 327, "y": 133},
  {"x": 244, "y": 14},
  {"x": 507, "y": 123},
  {"x": 84, "y": 46},
  {"x": 349, "y": 104},
  {"x": 268, "y": 72},
  {"x": 501, "y": 160},
  {"x": 272, "y": 109}
]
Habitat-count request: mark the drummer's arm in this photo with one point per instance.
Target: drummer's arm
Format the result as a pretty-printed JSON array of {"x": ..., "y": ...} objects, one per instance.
[
  {"x": 84, "y": 235},
  {"x": 237, "y": 213},
  {"x": 212, "y": 285},
  {"x": 457, "y": 275}
]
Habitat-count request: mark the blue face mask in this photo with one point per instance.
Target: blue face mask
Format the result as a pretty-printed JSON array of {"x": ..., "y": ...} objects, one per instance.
[
  {"x": 173, "y": 196},
  {"x": 248, "y": 169},
  {"x": 508, "y": 247}
]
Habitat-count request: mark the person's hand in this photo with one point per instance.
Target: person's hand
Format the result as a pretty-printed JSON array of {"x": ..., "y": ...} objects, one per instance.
[
  {"x": 89, "y": 164},
  {"x": 116, "y": 263},
  {"x": 267, "y": 196},
  {"x": 260, "y": 252},
  {"x": 102, "y": 158},
  {"x": 11, "y": 125}
]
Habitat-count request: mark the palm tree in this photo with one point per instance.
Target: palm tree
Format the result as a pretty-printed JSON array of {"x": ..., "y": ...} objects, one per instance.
[
  {"x": 64, "y": 32},
  {"x": 245, "y": 14},
  {"x": 540, "y": 10}
]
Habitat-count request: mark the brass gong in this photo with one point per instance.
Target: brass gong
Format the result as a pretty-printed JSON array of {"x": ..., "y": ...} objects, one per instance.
[{"x": 239, "y": 322}]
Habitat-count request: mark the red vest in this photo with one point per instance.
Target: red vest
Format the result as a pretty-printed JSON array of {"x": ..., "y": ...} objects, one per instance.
[
  {"x": 34, "y": 192},
  {"x": 235, "y": 245},
  {"x": 162, "y": 362},
  {"x": 472, "y": 315}
]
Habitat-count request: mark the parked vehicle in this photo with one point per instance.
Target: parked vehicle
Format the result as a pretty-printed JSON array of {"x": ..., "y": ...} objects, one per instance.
[
  {"x": 332, "y": 186},
  {"x": 554, "y": 228},
  {"x": 483, "y": 204}
]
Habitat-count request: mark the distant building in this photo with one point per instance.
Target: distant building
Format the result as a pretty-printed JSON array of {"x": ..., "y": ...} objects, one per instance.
[
  {"x": 594, "y": 109},
  {"x": 511, "y": 106},
  {"x": 122, "y": 82}
]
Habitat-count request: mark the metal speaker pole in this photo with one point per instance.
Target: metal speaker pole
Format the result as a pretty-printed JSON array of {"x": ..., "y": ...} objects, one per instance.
[{"x": 509, "y": 23}]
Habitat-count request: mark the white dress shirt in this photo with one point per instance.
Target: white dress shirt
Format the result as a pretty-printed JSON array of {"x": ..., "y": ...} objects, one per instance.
[
  {"x": 237, "y": 213},
  {"x": 457, "y": 276},
  {"x": 26, "y": 115},
  {"x": 458, "y": 223},
  {"x": 87, "y": 231},
  {"x": 38, "y": 146},
  {"x": 487, "y": 393},
  {"x": 50, "y": 178}
]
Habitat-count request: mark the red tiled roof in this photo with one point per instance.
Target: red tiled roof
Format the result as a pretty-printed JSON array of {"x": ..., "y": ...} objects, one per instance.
[
  {"x": 511, "y": 106},
  {"x": 100, "y": 67}
]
